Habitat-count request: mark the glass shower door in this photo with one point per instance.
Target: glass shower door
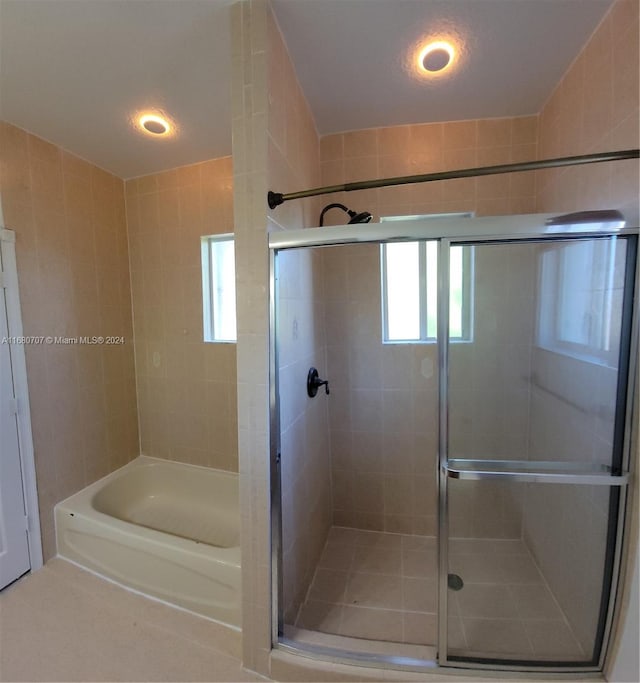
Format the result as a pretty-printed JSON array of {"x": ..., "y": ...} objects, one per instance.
[{"x": 532, "y": 441}]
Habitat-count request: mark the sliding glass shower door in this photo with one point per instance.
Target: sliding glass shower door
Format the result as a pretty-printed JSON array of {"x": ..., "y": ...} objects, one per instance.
[
  {"x": 505, "y": 401},
  {"x": 533, "y": 451}
]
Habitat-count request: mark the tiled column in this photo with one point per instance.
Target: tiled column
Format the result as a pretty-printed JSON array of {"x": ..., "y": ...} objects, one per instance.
[{"x": 249, "y": 95}]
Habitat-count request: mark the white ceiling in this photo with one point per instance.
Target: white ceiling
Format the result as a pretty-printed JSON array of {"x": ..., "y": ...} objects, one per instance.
[
  {"x": 75, "y": 71},
  {"x": 350, "y": 56}
]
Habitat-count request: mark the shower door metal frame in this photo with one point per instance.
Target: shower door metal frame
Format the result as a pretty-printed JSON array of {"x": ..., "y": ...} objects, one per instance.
[
  {"x": 547, "y": 472},
  {"x": 497, "y": 230}
]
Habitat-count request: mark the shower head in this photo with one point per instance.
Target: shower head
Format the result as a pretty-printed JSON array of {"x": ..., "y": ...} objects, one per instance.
[
  {"x": 354, "y": 217},
  {"x": 364, "y": 217}
]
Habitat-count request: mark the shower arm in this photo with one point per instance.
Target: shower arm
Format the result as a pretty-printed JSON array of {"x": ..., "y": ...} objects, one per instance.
[{"x": 274, "y": 199}]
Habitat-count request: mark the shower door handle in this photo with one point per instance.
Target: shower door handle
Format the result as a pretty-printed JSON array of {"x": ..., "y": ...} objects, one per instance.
[{"x": 548, "y": 472}]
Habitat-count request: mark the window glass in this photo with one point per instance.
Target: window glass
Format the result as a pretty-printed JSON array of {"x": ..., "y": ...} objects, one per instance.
[
  {"x": 402, "y": 270},
  {"x": 219, "y": 288},
  {"x": 410, "y": 292},
  {"x": 578, "y": 297}
]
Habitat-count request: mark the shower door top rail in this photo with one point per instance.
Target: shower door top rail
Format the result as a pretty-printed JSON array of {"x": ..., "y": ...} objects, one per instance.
[{"x": 533, "y": 226}]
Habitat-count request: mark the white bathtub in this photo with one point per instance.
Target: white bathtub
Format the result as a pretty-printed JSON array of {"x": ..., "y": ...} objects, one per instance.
[{"x": 168, "y": 530}]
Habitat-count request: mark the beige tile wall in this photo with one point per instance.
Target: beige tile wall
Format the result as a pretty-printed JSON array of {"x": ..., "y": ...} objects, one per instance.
[
  {"x": 186, "y": 388},
  {"x": 294, "y": 163},
  {"x": 73, "y": 268},
  {"x": 384, "y": 408},
  {"x": 572, "y": 414},
  {"x": 594, "y": 108},
  {"x": 275, "y": 145},
  {"x": 304, "y": 423},
  {"x": 489, "y": 389},
  {"x": 383, "y": 405},
  {"x": 431, "y": 147},
  {"x": 384, "y": 401},
  {"x": 250, "y": 185}
]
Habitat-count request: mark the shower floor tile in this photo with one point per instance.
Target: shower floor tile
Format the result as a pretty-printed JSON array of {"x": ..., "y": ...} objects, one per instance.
[
  {"x": 374, "y": 585},
  {"x": 382, "y": 586}
]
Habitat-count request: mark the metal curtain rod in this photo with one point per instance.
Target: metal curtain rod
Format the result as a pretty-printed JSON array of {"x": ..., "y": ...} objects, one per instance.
[{"x": 277, "y": 198}]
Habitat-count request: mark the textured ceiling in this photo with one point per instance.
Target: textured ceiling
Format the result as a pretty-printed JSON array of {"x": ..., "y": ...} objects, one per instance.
[
  {"x": 353, "y": 57},
  {"x": 75, "y": 71}
]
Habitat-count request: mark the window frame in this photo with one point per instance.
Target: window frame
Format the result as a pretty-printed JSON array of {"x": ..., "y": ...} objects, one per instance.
[{"x": 423, "y": 276}]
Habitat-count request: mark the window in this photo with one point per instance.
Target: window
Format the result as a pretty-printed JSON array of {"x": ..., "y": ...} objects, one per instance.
[
  {"x": 576, "y": 301},
  {"x": 219, "y": 288},
  {"x": 410, "y": 288},
  {"x": 410, "y": 292}
]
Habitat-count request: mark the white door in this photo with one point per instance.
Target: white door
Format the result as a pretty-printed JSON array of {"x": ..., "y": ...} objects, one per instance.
[{"x": 14, "y": 542}]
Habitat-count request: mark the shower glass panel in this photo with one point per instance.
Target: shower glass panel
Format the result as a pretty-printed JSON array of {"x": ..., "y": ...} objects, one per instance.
[
  {"x": 457, "y": 497},
  {"x": 305, "y": 477},
  {"x": 531, "y": 404},
  {"x": 358, "y": 465}
]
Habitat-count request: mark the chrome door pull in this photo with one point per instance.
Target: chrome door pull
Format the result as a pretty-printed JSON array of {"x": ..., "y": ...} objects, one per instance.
[{"x": 522, "y": 471}]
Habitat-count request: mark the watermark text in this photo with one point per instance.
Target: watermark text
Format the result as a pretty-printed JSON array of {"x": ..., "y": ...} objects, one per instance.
[{"x": 65, "y": 341}]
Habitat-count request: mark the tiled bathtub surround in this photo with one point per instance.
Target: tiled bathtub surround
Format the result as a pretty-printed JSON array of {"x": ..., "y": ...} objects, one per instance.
[
  {"x": 186, "y": 387},
  {"x": 73, "y": 269}
]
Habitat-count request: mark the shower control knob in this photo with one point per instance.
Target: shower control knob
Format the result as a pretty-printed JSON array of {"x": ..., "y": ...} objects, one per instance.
[{"x": 314, "y": 383}]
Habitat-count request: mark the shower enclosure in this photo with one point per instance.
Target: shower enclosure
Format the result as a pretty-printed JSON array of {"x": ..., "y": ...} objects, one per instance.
[{"x": 457, "y": 494}]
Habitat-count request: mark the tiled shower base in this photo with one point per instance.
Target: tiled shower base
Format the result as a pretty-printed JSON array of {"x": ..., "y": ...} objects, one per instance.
[{"x": 381, "y": 586}]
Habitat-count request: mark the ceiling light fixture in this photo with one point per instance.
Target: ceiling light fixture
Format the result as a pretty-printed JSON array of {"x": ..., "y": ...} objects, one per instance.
[
  {"x": 436, "y": 57},
  {"x": 154, "y": 125}
]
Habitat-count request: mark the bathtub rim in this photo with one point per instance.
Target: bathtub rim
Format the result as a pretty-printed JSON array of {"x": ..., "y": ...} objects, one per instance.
[{"x": 79, "y": 506}]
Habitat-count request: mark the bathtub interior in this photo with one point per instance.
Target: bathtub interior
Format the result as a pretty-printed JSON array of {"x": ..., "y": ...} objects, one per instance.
[
  {"x": 167, "y": 530},
  {"x": 169, "y": 498}
]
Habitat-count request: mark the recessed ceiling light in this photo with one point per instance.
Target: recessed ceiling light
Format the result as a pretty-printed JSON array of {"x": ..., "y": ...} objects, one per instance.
[
  {"x": 436, "y": 57},
  {"x": 154, "y": 124}
]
